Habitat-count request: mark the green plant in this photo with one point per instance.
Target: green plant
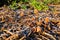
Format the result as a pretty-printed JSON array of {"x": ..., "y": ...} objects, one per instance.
[
  {"x": 56, "y": 1},
  {"x": 24, "y": 0},
  {"x": 13, "y": 5},
  {"x": 37, "y": 4},
  {"x": 23, "y": 6},
  {"x": 47, "y": 1}
]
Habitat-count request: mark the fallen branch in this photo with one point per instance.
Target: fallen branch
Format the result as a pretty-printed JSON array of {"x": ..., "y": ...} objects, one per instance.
[{"x": 39, "y": 38}]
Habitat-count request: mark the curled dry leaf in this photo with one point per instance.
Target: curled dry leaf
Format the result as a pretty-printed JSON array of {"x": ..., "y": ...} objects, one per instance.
[
  {"x": 58, "y": 33},
  {"x": 2, "y": 28},
  {"x": 35, "y": 11},
  {"x": 22, "y": 13},
  {"x": 2, "y": 19},
  {"x": 58, "y": 24},
  {"x": 46, "y": 19},
  {"x": 54, "y": 21},
  {"x": 49, "y": 27},
  {"x": 38, "y": 23},
  {"x": 4, "y": 37},
  {"x": 38, "y": 29},
  {"x": 45, "y": 25},
  {"x": 34, "y": 29},
  {"x": 33, "y": 18}
]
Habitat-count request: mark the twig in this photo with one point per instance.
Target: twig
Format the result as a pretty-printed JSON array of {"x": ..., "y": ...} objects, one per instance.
[
  {"x": 24, "y": 29},
  {"x": 39, "y": 38},
  {"x": 22, "y": 38},
  {"x": 8, "y": 32},
  {"x": 44, "y": 33},
  {"x": 14, "y": 36},
  {"x": 58, "y": 32},
  {"x": 44, "y": 37}
]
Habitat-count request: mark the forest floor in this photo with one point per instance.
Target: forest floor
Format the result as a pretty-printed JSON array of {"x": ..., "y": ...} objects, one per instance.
[{"x": 30, "y": 24}]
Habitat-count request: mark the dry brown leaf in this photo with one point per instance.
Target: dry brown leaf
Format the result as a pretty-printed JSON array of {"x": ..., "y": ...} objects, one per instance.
[
  {"x": 35, "y": 11},
  {"x": 34, "y": 29},
  {"x": 58, "y": 24},
  {"x": 33, "y": 18},
  {"x": 4, "y": 38},
  {"x": 55, "y": 21},
  {"x": 22, "y": 13},
  {"x": 38, "y": 23},
  {"x": 10, "y": 19},
  {"x": 38, "y": 29},
  {"x": 58, "y": 32},
  {"x": 2, "y": 28},
  {"x": 45, "y": 25},
  {"x": 49, "y": 28},
  {"x": 46, "y": 19},
  {"x": 3, "y": 19}
]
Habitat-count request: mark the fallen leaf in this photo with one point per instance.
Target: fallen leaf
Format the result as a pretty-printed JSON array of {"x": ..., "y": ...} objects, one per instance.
[
  {"x": 22, "y": 14},
  {"x": 35, "y": 11},
  {"x": 38, "y": 23},
  {"x": 38, "y": 29},
  {"x": 46, "y": 19}
]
